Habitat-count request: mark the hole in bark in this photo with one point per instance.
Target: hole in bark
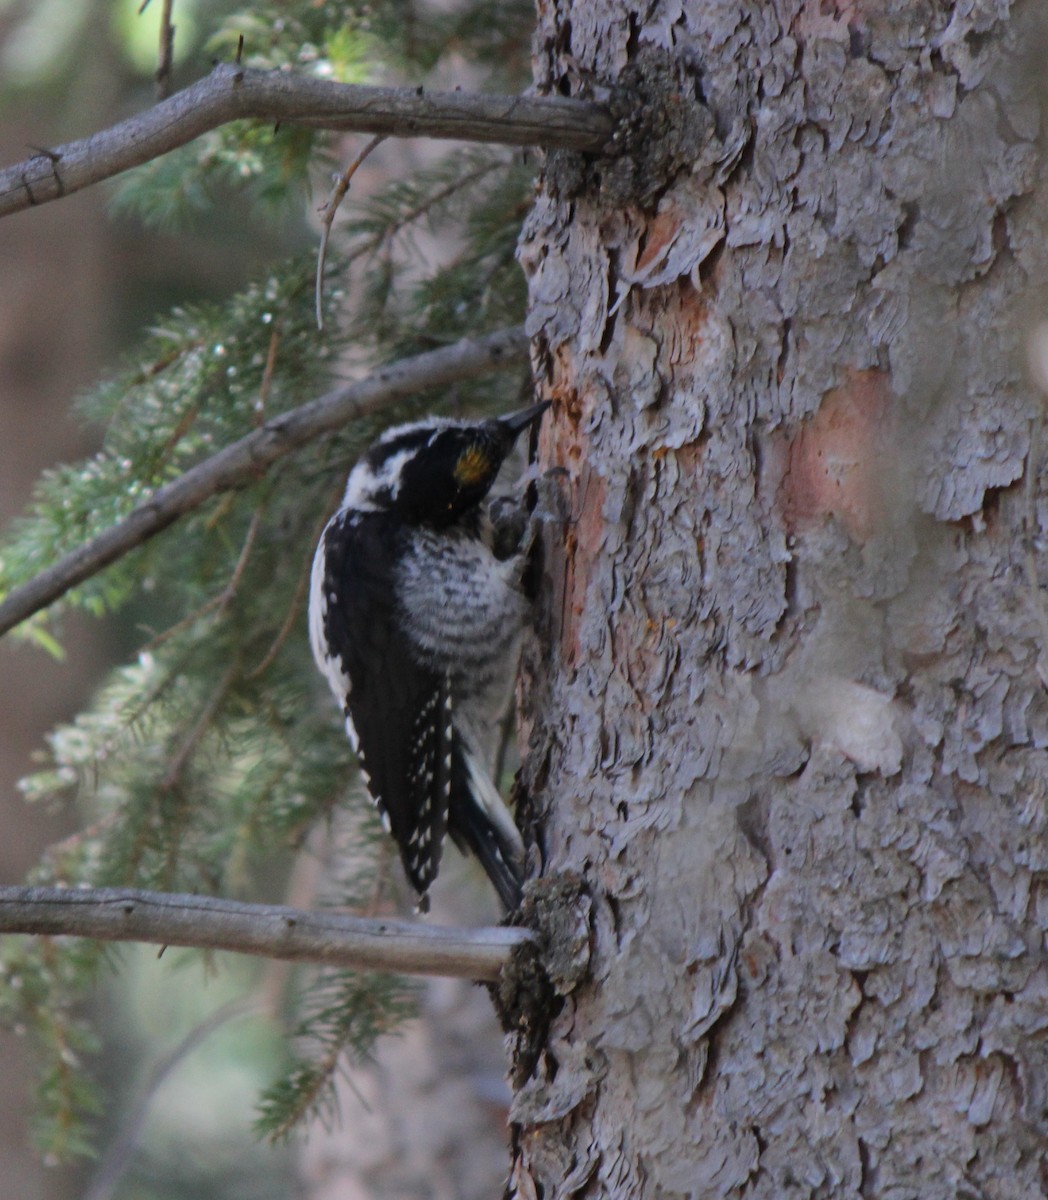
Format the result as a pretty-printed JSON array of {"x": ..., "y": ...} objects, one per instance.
[
  {"x": 856, "y": 42},
  {"x": 609, "y": 325},
  {"x": 789, "y": 591},
  {"x": 865, "y": 1170},
  {"x": 991, "y": 506},
  {"x": 752, "y": 816},
  {"x": 978, "y": 40},
  {"x": 911, "y": 213},
  {"x": 858, "y": 800},
  {"x": 616, "y": 918},
  {"x": 755, "y": 445},
  {"x": 999, "y": 233},
  {"x": 784, "y": 351},
  {"x": 708, "y": 266},
  {"x": 633, "y": 41}
]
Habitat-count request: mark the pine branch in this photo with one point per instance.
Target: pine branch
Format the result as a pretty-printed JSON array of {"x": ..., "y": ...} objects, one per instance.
[
  {"x": 247, "y": 458},
  {"x": 232, "y": 92},
  {"x": 268, "y": 931}
]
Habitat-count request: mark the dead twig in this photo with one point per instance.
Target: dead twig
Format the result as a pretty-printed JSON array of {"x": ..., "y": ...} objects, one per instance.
[
  {"x": 106, "y": 1177},
  {"x": 220, "y": 602},
  {"x": 166, "y": 56},
  {"x": 327, "y": 215}
]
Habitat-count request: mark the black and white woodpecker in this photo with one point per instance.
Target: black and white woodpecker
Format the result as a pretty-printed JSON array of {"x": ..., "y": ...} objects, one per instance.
[{"x": 415, "y": 612}]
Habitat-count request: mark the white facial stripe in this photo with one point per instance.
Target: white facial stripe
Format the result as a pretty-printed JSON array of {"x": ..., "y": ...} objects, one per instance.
[{"x": 364, "y": 483}]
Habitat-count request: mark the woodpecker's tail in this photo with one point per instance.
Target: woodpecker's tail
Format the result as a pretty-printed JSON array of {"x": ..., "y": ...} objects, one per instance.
[{"x": 481, "y": 824}]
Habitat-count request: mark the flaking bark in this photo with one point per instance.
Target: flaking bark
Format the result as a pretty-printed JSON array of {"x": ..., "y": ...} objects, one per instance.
[{"x": 787, "y": 723}]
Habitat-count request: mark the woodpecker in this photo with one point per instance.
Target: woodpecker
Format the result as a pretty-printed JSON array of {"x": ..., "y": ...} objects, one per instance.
[{"x": 415, "y": 612}]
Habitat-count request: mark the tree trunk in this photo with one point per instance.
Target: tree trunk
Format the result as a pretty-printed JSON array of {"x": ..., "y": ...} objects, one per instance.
[{"x": 789, "y": 724}]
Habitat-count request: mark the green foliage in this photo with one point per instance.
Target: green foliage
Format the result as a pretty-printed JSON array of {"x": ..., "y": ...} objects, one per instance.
[
  {"x": 325, "y": 39},
  {"x": 415, "y": 37},
  {"x": 270, "y": 166},
  {"x": 43, "y": 982},
  {"x": 205, "y": 761},
  {"x": 346, "y": 1015},
  {"x": 473, "y": 201},
  {"x": 201, "y": 380}
]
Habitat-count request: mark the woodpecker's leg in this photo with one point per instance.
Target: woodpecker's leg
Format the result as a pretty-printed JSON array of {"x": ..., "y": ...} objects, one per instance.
[
  {"x": 541, "y": 499},
  {"x": 553, "y": 497},
  {"x": 509, "y": 517}
]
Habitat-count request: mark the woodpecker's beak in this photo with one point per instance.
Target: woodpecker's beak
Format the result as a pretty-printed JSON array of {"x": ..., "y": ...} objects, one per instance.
[{"x": 515, "y": 423}]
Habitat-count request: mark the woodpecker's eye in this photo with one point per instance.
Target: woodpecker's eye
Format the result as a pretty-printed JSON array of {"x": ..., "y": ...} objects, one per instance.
[{"x": 473, "y": 467}]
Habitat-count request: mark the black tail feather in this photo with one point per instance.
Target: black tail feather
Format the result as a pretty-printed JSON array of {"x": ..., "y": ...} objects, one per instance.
[
  {"x": 477, "y": 835},
  {"x": 475, "y": 831}
]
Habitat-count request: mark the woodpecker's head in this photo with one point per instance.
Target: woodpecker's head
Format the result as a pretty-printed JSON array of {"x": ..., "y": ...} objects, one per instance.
[{"x": 433, "y": 471}]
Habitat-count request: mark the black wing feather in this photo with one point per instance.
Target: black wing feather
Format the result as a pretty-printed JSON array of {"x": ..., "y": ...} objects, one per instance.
[{"x": 400, "y": 710}]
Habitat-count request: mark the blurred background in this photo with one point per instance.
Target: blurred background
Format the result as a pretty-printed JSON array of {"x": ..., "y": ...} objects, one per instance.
[
  {"x": 78, "y": 287},
  {"x": 186, "y": 1048}
]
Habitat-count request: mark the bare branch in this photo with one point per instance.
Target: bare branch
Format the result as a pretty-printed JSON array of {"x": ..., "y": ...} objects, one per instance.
[
  {"x": 265, "y": 930},
  {"x": 232, "y": 92},
  {"x": 327, "y": 217},
  {"x": 246, "y": 459},
  {"x": 166, "y": 56}
]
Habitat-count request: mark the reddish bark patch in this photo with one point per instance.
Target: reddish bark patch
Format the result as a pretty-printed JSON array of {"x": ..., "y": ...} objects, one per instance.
[
  {"x": 832, "y": 465},
  {"x": 581, "y": 548},
  {"x": 565, "y": 446},
  {"x": 562, "y": 390},
  {"x": 689, "y": 324},
  {"x": 849, "y": 11},
  {"x": 659, "y": 236},
  {"x": 676, "y": 315}
]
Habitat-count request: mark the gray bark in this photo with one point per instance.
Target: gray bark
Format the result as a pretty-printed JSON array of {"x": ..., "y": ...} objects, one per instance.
[{"x": 789, "y": 725}]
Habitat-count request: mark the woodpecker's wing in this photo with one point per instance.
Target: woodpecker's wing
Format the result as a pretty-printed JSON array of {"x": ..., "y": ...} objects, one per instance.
[{"x": 401, "y": 712}]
